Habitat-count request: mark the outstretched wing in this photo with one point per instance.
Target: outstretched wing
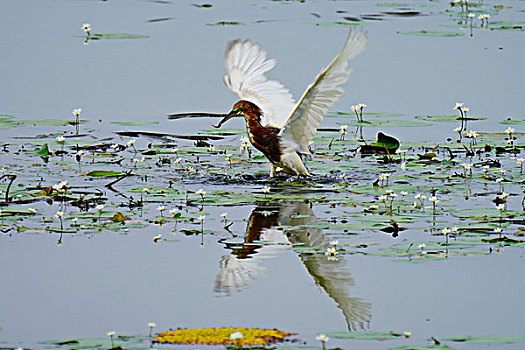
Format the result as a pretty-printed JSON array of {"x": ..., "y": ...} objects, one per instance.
[
  {"x": 302, "y": 125},
  {"x": 246, "y": 64}
]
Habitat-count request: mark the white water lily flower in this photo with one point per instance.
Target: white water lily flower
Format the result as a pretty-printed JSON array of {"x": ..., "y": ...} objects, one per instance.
[
  {"x": 322, "y": 338},
  {"x": 236, "y": 335}
]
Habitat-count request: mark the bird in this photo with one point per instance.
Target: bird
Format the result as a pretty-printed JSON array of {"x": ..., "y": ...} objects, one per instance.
[{"x": 277, "y": 126}]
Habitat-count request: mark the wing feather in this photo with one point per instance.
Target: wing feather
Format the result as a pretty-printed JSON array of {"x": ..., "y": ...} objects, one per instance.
[
  {"x": 246, "y": 65},
  {"x": 301, "y": 126}
]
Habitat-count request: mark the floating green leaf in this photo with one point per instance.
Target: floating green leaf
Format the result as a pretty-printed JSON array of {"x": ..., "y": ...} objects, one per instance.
[
  {"x": 487, "y": 339},
  {"x": 135, "y": 123},
  {"x": 118, "y": 36},
  {"x": 441, "y": 33},
  {"x": 365, "y": 335},
  {"x": 104, "y": 173},
  {"x": 513, "y": 122}
]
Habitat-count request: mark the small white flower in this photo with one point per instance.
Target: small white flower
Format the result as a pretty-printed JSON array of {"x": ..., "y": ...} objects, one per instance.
[
  {"x": 322, "y": 338},
  {"x": 223, "y": 215},
  {"x": 79, "y": 153},
  {"x": 173, "y": 211},
  {"x": 161, "y": 208},
  {"x": 458, "y": 105},
  {"x": 445, "y": 231},
  {"x": 404, "y": 193},
  {"x": 509, "y": 131},
  {"x": 465, "y": 109},
  {"x": 458, "y": 129},
  {"x": 498, "y": 230},
  {"x": 499, "y": 179},
  {"x": 115, "y": 146},
  {"x": 76, "y": 112},
  {"x": 211, "y": 148},
  {"x": 100, "y": 206},
  {"x": 373, "y": 207},
  {"x": 471, "y": 15},
  {"x": 87, "y": 28},
  {"x": 178, "y": 160},
  {"x": 157, "y": 238},
  {"x": 501, "y": 207},
  {"x": 472, "y": 134},
  {"x": 343, "y": 128},
  {"x": 266, "y": 189},
  {"x": 433, "y": 199},
  {"x": 60, "y": 139},
  {"x": 152, "y": 325},
  {"x": 421, "y": 246},
  {"x": 330, "y": 251},
  {"x": 236, "y": 335},
  {"x": 355, "y": 107},
  {"x": 393, "y": 195},
  {"x": 59, "y": 214},
  {"x": 407, "y": 334},
  {"x": 504, "y": 195},
  {"x": 335, "y": 242},
  {"x": 202, "y": 217},
  {"x": 131, "y": 142},
  {"x": 175, "y": 150},
  {"x": 31, "y": 210},
  {"x": 361, "y": 105},
  {"x": 382, "y": 198},
  {"x": 201, "y": 192},
  {"x": 111, "y": 334},
  {"x": 145, "y": 190}
]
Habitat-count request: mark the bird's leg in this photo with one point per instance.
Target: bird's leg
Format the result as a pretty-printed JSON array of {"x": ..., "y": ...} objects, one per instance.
[{"x": 272, "y": 170}]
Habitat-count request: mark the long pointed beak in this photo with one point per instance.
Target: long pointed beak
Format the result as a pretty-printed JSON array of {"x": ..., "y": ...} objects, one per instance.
[{"x": 225, "y": 119}]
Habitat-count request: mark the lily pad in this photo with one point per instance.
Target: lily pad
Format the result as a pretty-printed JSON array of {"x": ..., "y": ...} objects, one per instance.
[
  {"x": 384, "y": 144},
  {"x": 104, "y": 173},
  {"x": 135, "y": 123},
  {"x": 366, "y": 335},
  {"x": 488, "y": 339},
  {"x": 118, "y": 36},
  {"x": 446, "y": 118},
  {"x": 441, "y": 33}
]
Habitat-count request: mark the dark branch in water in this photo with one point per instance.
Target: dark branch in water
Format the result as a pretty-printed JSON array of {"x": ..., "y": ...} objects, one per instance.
[
  {"x": 126, "y": 174},
  {"x": 195, "y": 115},
  {"x": 12, "y": 178}
]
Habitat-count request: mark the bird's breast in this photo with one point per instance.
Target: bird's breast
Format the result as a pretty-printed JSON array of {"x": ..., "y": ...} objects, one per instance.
[{"x": 266, "y": 140}]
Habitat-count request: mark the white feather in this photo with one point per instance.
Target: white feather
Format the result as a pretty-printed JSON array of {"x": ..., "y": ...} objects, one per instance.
[
  {"x": 245, "y": 67},
  {"x": 301, "y": 126}
]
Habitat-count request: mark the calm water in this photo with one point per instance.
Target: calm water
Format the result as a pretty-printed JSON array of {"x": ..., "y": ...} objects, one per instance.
[{"x": 92, "y": 285}]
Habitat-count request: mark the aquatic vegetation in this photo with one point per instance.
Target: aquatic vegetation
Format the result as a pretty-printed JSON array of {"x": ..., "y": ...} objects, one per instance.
[{"x": 225, "y": 336}]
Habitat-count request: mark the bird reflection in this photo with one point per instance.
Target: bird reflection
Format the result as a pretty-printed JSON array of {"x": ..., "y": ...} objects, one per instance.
[{"x": 273, "y": 227}]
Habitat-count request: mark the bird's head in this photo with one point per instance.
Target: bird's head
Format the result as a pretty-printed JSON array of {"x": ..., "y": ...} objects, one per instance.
[{"x": 242, "y": 108}]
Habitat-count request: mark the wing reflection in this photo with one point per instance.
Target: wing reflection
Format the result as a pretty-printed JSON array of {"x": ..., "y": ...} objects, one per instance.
[{"x": 273, "y": 227}]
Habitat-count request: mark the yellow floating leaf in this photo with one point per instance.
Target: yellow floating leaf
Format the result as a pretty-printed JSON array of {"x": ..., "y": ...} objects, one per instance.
[{"x": 216, "y": 336}]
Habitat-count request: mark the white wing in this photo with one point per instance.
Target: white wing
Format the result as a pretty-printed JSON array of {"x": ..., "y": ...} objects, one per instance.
[
  {"x": 245, "y": 65},
  {"x": 302, "y": 125}
]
